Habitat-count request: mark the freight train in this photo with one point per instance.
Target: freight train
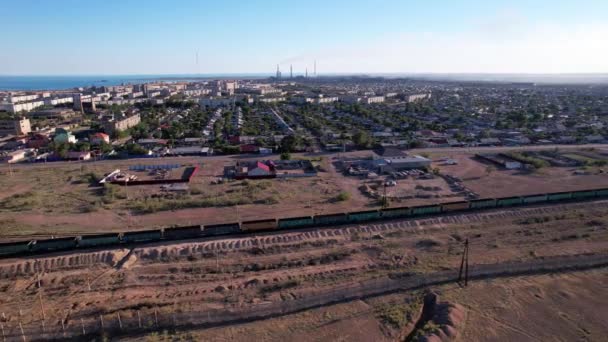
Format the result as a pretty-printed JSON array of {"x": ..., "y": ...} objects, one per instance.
[{"x": 190, "y": 232}]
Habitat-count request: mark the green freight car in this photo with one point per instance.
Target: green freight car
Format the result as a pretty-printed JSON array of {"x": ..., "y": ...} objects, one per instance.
[
  {"x": 559, "y": 196},
  {"x": 535, "y": 199},
  {"x": 99, "y": 240},
  {"x": 14, "y": 248},
  {"x": 601, "y": 193},
  {"x": 583, "y": 194},
  {"x": 508, "y": 201},
  {"x": 221, "y": 229},
  {"x": 426, "y": 210},
  {"x": 331, "y": 219},
  {"x": 296, "y": 222},
  {"x": 53, "y": 244},
  {"x": 362, "y": 216},
  {"x": 396, "y": 212},
  {"x": 483, "y": 203},
  {"x": 187, "y": 232},
  {"x": 142, "y": 236}
]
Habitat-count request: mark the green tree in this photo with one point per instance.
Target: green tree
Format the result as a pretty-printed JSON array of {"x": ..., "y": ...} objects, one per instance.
[
  {"x": 288, "y": 143},
  {"x": 362, "y": 139},
  {"x": 285, "y": 156}
]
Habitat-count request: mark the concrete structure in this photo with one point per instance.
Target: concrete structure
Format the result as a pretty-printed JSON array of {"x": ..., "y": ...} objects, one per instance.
[
  {"x": 55, "y": 113},
  {"x": 392, "y": 164},
  {"x": 416, "y": 97},
  {"x": 121, "y": 124},
  {"x": 373, "y": 99},
  {"x": 15, "y": 127}
]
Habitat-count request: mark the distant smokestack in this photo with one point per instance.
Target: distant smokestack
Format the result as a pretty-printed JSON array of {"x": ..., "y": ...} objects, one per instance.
[
  {"x": 315, "y": 71},
  {"x": 291, "y": 71},
  {"x": 306, "y": 74}
]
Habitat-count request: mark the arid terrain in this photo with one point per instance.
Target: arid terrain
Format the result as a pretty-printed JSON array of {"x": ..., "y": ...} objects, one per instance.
[
  {"x": 169, "y": 285},
  {"x": 58, "y": 199}
]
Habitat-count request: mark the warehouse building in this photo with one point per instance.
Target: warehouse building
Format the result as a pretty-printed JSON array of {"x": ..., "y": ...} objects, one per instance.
[{"x": 392, "y": 164}]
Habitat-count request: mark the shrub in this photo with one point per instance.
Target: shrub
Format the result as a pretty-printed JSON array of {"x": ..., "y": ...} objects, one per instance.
[{"x": 343, "y": 196}]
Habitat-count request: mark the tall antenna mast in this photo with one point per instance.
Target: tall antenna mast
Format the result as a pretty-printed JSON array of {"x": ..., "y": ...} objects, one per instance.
[{"x": 198, "y": 70}]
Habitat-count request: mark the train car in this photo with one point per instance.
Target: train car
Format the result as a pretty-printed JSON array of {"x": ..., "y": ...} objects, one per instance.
[
  {"x": 14, "y": 248},
  {"x": 454, "y": 206},
  {"x": 583, "y": 194},
  {"x": 188, "y": 232},
  {"x": 396, "y": 212},
  {"x": 601, "y": 193},
  {"x": 296, "y": 222},
  {"x": 252, "y": 226},
  {"x": 142, "y": 236},
  {"x": 535, "y": 199},
  {"x": 98, "y": 240},
  {"x": 362, "y": 216},
  {"x": 559, "y": 196},
  {"x": 509, "y": 201},
  {"x": 483, "y": 203},
  {"x": 53, "y": 244},
  {"x": 426, "y": 210},
  {"x": 331, "y": 219},
  {"x": 221, "y": 229}
]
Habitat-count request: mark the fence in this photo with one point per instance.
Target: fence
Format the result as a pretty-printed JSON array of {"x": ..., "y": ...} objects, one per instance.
[{"x": 154, "y": 319}]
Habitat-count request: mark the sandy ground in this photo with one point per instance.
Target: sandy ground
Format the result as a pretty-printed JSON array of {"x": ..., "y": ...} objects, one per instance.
[
  {"x": 563, "y": 307},
  {"x": 57, "y": 199},
  {"x": 202, "y": 275}
]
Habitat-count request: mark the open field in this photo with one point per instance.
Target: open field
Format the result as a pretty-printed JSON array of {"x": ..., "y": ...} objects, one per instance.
[
  {"x": 64, "y": 198},
  {"x": 240, "y": 272},
  {"x": 542, "y": 308},
  {"x": 488, "y": 180}
]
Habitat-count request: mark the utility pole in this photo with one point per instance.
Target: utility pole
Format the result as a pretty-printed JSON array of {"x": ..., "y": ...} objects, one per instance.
[
  {"x": 464, "y": 264},
  {"x": 384, "y": 201}
]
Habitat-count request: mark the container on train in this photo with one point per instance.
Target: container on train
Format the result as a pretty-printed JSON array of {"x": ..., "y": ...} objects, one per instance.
[
  {"x": 483, "y": 203},
  {"x": 99, "y": 240},
  {"x": 53, "y": 244},
  {"x": 559, "y": 196},
  {"x": 535, "y": 198},
  {"x": 177, "y": 233},
  {"x": 454, "y": 206},
  {"x": 426, "y": 210},
  {"x": 508, "y": 201},
  {"x": 331, "y": 219},
  {"x": 14, "y": 248},
  {"x": 362, "y": 216},
  {"x": 396, "y": 212},
  {"x": 221, "y": 229},
  {"x": 142, "y": 236},
  {"x": 296, "y": 222},
  {"x": 259, "y": 225}
]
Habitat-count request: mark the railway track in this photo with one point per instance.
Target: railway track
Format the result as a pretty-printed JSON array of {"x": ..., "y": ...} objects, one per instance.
[{"x": 286, "y": 237}]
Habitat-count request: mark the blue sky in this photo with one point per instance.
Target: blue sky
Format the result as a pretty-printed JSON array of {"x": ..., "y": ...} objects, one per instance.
[{"x": 152, "y": 37}]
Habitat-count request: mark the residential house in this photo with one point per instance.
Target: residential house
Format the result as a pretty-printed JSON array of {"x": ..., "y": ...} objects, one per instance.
[{"x": 99, "y": 138}]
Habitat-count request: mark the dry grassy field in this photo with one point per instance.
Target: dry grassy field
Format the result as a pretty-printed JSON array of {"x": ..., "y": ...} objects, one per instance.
[
  {"x": 64, "y": 198},
  {"x": 198, "y": 276}
]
